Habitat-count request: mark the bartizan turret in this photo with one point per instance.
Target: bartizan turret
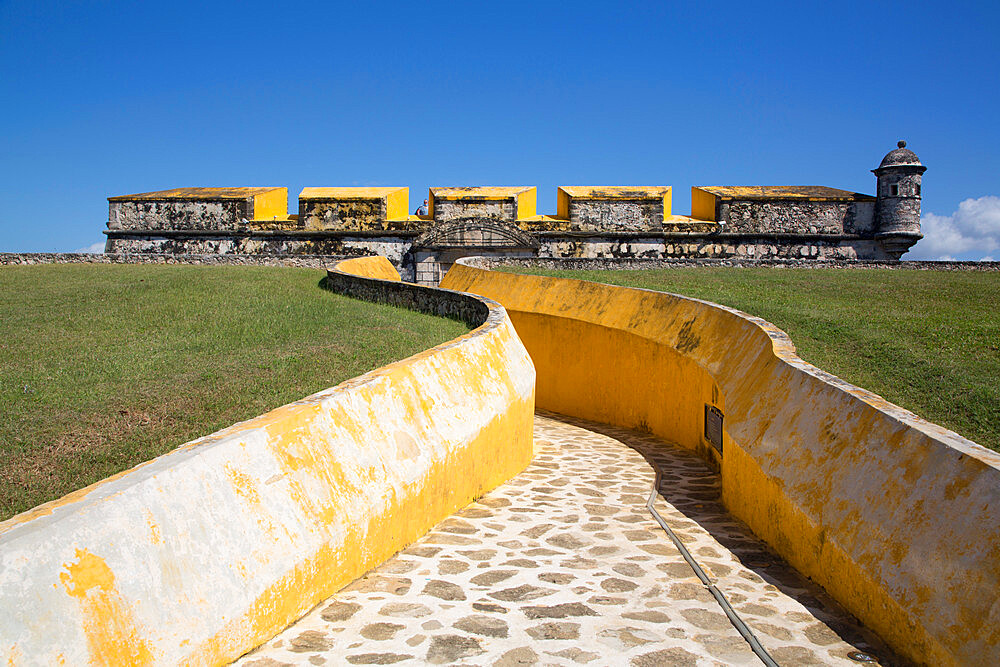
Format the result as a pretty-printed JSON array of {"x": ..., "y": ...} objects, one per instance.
[{"x": 897, "y": 200}]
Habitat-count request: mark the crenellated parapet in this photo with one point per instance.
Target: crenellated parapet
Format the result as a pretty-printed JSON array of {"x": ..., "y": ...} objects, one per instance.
[{"x": 600, "y": 222}]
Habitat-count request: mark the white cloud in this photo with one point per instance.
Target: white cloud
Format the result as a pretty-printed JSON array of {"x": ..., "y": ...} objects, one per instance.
[
  {"x": 93, "y": 248},
  {"x": 970, "y": 233}
]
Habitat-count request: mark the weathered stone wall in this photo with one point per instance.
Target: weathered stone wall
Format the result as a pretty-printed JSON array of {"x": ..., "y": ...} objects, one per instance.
[
  {"x": 711, "y": 245},
  {"x": 907, "y": 184},
  {"x": 600, "y": 264},
  {"x": 393, "y": 247},
  {"x": 899, "y": 214},
  {"x": 474, "y": 311},
  {"x": 426, "y": 265},
  {"x": 797, "y": 217},
  {"x": 342, "y": 215},
  {"x": 306, "y": 261},
  {"x": 615, "y": 215},
  {"x": 223, "y": 214},
  {"x": 448, "y": 210},
  {"x": 761, "y": 222}
]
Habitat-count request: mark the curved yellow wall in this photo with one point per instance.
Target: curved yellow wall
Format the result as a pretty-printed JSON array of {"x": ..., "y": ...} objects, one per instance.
[
  {"x": 370, "y": 267},
  {"x": 200, "y": 555},
  {"x": 898, "y": 518}
]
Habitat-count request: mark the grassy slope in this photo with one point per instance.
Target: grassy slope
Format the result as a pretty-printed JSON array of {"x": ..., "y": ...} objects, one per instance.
[
  {"x": 103, "y": 367},
  {"x": 926, "y": 340}
]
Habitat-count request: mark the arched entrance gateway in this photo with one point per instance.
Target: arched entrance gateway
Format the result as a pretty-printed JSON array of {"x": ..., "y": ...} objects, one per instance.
[{"x": 434, "y": 251}]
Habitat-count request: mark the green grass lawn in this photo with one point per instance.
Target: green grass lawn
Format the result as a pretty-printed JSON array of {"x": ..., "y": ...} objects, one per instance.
[
  {"x": 926, "y": 340},
  {"x": 103, "y": 367}
]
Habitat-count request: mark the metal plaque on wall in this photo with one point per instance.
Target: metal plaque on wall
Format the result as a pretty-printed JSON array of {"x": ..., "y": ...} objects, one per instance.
[{"x": 713, "y": 426}]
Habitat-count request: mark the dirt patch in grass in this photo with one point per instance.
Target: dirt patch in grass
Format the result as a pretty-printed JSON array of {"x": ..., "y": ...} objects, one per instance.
[{"x": 40, "y": 468}]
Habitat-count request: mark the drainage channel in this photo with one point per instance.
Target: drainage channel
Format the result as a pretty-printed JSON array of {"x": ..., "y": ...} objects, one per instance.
[{"x": 727, "y": 608}]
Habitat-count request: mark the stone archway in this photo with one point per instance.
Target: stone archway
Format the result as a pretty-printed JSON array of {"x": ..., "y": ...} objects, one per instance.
[{"x": 434, "y": 251}]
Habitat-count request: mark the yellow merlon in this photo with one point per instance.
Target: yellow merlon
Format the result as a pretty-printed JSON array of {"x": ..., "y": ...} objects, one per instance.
[
  {"x": 631, "y": 193},
  {"x": 616, "y": 191},
  {"x": 807, "y": 192},
  {"x": 197, "y": 193},
  {"x": 350, "y": 193},
  {"x": 480, "y": 192}
]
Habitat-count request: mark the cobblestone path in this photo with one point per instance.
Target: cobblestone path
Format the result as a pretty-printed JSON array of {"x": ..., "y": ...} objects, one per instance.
[{"x": 563, "y": 565}]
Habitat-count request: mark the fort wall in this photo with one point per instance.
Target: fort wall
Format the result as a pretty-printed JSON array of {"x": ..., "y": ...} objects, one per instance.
[
  {"x": 591, "y": 222},
  {"x": 894, "y": 516},
  {"x": 201, "y": 554},
  {"x": 308, "y": 261}
]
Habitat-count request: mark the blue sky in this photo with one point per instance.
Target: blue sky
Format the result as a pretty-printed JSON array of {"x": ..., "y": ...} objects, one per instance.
[{"x": 105, "y": 98}]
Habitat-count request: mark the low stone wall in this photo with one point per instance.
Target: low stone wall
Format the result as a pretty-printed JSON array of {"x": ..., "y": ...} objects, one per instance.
[
  {"x": 896, "y": 517},
  {"x": 269, "y": 243},
  {"x": 200, "y": 555},
  {"x": 388, "y": 289},
  {"x": 625, "y": 264},
  {"x": 692, "y": 246},
  {"x": 308, "y": 261}
]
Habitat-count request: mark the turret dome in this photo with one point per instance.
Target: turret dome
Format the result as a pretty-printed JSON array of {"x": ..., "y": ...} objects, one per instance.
[{"x": 900, "y": 157}]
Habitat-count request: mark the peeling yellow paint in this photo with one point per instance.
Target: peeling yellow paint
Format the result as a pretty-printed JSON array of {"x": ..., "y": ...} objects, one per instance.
[
  {"x": 155, "y": 536},
  {"x": 243, "y": 485},
  {"x": 498, "y": 451},
  {"x": 112, "y": 637}
]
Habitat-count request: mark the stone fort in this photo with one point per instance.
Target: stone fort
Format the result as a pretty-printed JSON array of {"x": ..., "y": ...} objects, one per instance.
[
  {"x": 744, "y": 222},
  {"x": 593, "y": 474}
]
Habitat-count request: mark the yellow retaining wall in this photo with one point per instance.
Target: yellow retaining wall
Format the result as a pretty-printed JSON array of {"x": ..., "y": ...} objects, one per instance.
[
  {"x": 370, "y": 267},
  {"x": 200, "y": 555},
  {"x": 898, "y": 518}
]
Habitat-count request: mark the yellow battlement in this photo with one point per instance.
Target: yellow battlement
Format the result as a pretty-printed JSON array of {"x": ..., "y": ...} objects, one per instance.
[
  {"x": 567, "y": 194},
  {"x": 806, "y": 192},
  {"x": 362, "y": 208},
  {"x": 509, "y": 202},
  {"x": 479, "y": 192},
  {"x": 197, "y": 194}
]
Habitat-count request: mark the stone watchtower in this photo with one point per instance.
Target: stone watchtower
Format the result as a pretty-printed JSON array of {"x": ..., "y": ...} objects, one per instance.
[{"x": 897, "y": 200}]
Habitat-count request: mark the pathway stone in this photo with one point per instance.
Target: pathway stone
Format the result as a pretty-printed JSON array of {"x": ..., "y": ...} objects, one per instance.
[{"x": 563, "y": 565}]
